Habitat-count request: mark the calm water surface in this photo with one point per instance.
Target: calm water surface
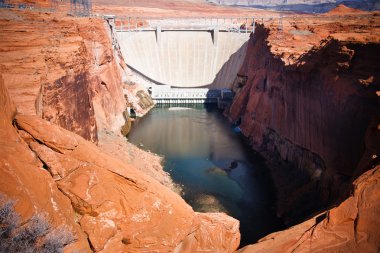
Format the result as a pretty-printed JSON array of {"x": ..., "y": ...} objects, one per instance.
[{"x": 217, "y": 171}]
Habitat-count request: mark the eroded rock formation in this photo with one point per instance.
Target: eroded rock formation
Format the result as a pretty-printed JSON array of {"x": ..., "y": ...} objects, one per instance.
[
  {"x": 350, "y": 227},
  {"x": 118, "y": 208},
  {"x": 297, "y": 101},
  {"x": 62, "y": 70},
  {"x": 307, "y": 99},
  {"x": 24, "y": 179},
  {"x": 64, "y": 77},
  {"x": 313, "y": 110},
  {"x": 66, "y": 70}
]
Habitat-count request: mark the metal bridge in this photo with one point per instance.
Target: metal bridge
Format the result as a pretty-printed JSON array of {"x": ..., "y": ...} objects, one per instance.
[
  {"x": 243, "y": 25},
  {"x": 227, "y": 24}
]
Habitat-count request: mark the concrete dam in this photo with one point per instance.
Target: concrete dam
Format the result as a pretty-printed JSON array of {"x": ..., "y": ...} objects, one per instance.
[{"x": 186, "y": 53}]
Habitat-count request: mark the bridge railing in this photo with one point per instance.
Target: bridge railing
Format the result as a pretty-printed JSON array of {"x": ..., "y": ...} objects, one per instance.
[{"x": 232, "y": 24}]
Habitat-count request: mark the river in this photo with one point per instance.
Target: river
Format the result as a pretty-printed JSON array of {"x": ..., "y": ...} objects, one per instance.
[{"x": 212, "y": 163}]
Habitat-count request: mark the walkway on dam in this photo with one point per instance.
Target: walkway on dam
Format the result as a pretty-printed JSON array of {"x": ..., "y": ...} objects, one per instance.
[{"x": 228, "y": 24}]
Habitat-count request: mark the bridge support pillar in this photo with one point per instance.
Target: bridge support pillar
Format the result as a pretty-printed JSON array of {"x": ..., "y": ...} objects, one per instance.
[
  {"x": 158, "y": 35},
  {"x": 215, "y": 35}
]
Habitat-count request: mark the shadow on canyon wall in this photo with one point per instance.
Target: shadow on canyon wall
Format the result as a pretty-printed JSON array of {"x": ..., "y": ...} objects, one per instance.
[
  {"x": 314, "y": 122},
  {"x": 227, "y": 74}
]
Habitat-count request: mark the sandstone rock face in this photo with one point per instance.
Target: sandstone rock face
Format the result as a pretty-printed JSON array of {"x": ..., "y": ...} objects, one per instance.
[
  {"x": 62, "y": 69},
  {"x": 350, "y": 227},
  {"x": 344, "y": 10},
  {"x": 65, "y": 70},
  {"x": 217, "y": 229},
  {"x": 113, "y": 199},
  {"x": 148, "y": 163},
  {"x": 315, "y": 108},
  {"x": 118, "y": 208},
  {"x": 23, "y": 178},
  {"x": 69, "y": 76},
  {"x": 139, "y": 99}
]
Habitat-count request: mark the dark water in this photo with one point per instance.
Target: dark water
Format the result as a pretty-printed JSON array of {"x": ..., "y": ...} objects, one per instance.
[{"x": 200, "y": 148}]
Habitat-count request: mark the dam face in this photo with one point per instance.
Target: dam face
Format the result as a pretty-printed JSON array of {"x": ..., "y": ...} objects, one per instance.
[{"x": 185, "y": 56}]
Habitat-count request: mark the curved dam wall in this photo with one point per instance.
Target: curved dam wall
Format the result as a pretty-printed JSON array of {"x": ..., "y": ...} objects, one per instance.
[{"x": 185, "y": 58}]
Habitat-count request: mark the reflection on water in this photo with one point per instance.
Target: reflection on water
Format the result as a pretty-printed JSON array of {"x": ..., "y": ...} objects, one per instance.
[{"x": 217, "y": 172}]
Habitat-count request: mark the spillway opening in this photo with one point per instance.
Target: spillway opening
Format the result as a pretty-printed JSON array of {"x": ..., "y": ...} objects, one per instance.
[{"x": 212, "y": 163}]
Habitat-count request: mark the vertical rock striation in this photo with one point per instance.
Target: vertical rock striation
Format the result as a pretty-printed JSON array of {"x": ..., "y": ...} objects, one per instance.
[
  {"x": 315, "y": 117},
  {"x": 62, "y": 69},
  {"x": 23, "y": 178}
]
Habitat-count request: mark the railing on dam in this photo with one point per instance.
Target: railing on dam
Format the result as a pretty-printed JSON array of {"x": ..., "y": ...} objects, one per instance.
[
  {"x": 232, "y": 24},
  {"x": 167, "y": 95}
]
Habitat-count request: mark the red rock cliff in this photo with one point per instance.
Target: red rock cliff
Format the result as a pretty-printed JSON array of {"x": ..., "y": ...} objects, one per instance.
[
  {"x": 350, "y": 227},
  {"x": 109, "y": 205},
  {"x": 61, "y": 91},
  {"x": 306, "y": 99},
  {"x": 62, "y": 69}
]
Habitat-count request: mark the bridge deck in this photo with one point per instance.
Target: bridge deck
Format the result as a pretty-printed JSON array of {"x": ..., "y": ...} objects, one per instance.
[
  {"x": 220, "y": 29},
  {"x": 244, "y": 25}
]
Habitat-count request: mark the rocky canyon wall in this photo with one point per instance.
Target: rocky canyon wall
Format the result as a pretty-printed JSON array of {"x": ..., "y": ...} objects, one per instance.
[
  {"x": 64, "y": 70},
  {"x": 313, "y": 114},
  {"x": 108, "y": 205},
  {"x": 350, "y": 227}
]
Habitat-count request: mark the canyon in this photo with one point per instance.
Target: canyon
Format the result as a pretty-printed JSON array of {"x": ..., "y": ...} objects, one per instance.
[
  {"x": 61, "y": 171},
  {"x": 306, "y": 99}
]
